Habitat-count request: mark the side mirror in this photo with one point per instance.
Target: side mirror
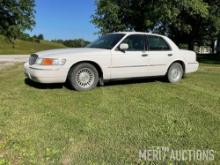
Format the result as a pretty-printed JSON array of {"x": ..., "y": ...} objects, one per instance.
[{"x": 124, "y": 47}]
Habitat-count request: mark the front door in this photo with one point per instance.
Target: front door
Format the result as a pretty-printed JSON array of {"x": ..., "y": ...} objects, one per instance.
[{"x": 133, "y": 62}]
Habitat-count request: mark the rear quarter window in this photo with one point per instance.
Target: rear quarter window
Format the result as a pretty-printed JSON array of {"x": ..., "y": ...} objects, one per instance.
[{"x": 156, "y": 43}]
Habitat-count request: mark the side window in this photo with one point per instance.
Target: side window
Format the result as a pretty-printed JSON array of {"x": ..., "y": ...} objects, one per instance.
[
  {"x": 156, "y": 43},
  {"x": 135, "y": 42}
]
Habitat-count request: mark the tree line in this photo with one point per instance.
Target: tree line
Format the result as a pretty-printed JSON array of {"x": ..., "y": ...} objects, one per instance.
[
  {"x": 16, "y": 16},
  {"x": 76, "y": 43},
  {"x": 187, "y": 22}
]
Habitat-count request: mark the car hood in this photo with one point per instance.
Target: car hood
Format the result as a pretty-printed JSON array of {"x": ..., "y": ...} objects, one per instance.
[{"x": 69, "y": 51}]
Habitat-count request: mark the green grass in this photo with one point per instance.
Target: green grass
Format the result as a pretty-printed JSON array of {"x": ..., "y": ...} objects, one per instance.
[
  {"x": 108, "y": 125},
  {"x": 26, "y": 47}
]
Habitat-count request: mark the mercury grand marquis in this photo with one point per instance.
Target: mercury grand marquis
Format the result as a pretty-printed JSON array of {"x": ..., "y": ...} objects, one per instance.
[{"x": 121, "y": 55}]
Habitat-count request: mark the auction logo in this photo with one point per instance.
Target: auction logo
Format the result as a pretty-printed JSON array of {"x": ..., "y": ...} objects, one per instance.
[{"x": 166, "y": 154}]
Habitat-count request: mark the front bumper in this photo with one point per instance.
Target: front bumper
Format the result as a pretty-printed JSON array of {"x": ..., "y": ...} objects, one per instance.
[{"x": 46, "y": 74}]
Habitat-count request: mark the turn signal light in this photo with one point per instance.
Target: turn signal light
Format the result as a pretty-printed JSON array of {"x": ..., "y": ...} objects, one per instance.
[{"x": 47, "y": 61}]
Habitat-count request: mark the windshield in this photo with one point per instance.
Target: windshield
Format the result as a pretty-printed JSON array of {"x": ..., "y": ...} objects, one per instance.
[{"x": 107, "y": 41}]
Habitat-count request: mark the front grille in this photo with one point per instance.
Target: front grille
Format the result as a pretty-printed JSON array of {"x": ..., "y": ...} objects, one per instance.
[{"x": 32, "y": 59}]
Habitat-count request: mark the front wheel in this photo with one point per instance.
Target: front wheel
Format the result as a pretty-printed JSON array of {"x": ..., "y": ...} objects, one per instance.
[
  {"x": 83, "y": 77},
  {"x": 175, "y": 73}
]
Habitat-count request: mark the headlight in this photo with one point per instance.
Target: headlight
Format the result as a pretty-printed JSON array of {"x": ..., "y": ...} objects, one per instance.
[{"x": 50, "y": 61}]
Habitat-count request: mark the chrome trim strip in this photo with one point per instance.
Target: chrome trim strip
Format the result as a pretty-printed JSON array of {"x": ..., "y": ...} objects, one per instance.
[
  {"x": 135, "y": 66},
  {"x": 44, "y": 69}
]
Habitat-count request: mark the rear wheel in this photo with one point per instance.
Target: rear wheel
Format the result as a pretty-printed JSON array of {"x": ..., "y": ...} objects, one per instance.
[
  {"x": 83, "y": 77},
  {"x": 175, "y": 73}
]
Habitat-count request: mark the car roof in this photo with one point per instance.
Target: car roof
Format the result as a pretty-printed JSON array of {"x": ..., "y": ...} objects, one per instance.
[
  {"x": 171, "y": 43},
  {"x": 123, "y": 32}
]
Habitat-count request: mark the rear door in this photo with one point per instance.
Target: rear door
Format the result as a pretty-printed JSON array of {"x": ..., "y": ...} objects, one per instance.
[{"x": 160, "y": 55}]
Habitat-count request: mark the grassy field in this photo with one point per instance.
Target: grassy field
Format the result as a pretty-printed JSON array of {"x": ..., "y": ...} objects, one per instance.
[
  {"x": 26, "y": 47},
  {"x": 109, "y": 125}
]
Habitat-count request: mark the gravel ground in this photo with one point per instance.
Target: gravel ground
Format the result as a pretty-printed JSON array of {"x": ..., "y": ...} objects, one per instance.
[
  {"x": 9, "y": 60},
  {"x": 6, "y": 64},
  {"x": 13, "y": 58}
]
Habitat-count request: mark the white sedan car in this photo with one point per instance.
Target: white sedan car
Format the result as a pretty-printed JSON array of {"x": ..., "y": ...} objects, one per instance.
[{"x": 119, "y": 55}]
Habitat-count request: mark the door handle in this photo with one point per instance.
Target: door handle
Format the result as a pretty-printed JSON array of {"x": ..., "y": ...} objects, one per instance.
[
  {"x": 144, "y": 55},
  {"x": 170, "y": 55}
]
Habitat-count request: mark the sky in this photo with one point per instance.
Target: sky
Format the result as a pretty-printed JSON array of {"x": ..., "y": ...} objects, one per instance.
[{"x": 65, "y": 19}]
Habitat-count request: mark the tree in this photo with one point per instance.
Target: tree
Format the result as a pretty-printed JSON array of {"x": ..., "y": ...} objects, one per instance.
[
  {"x": 16, "y": 16},
  {"x": 195, "y": 22},
  {"x": 40, "y": 37},
  {"x": 118, "y": 15},
  {"x": 186, "y": 21}
]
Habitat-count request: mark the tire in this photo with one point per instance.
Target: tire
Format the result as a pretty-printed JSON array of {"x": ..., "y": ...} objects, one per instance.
[
  {"x": 83, "y": 77},
  {"x": 175, "y": 73}
]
